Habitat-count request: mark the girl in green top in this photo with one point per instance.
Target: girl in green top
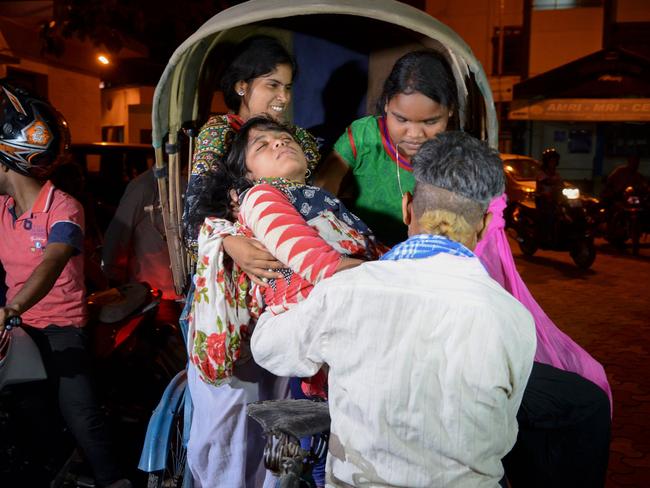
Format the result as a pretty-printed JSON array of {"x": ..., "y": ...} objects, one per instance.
[
  {"x": 418, "y": 100},
  {"x": 417, "y": 103}
]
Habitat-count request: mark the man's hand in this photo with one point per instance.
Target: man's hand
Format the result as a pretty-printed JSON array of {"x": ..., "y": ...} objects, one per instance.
[
  {"x": 348, "y": 263},
  {"x": 5, "y": 314},
  {"x": 253, "y": 258}
]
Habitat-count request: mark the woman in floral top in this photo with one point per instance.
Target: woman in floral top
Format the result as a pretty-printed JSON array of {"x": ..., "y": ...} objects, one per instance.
[
  {"x": 303, "y": 226},
  {"x": 257, "y": 81},
  {"x": 226, "y": 451},
  {"x": 226, "y": 303}
]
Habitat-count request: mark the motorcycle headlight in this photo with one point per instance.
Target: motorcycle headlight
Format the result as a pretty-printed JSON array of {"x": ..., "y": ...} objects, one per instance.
[{"x": 571, "y": 193}]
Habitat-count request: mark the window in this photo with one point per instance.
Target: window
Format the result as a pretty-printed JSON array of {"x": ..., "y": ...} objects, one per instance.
[
  {"x": 34, "y": 83},
  {"x": 580, "y": 141},
  {"x": 513, "y": 51},
  {"x": 622, "y": 138},
  {"x": 113, "y": 133},
  {"x": 561, "y": 4},
  {"x": 145, "y": 136}
]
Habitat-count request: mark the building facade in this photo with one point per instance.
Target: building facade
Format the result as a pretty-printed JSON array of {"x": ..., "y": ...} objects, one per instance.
[{"x": 571, "y": 74}]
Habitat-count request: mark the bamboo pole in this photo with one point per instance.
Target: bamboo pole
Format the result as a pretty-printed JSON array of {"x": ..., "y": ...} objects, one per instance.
[{"x": 171, "y": 233}]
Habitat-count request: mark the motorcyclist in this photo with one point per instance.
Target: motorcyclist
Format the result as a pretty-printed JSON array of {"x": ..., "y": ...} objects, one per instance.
[
  {"x": 622, "y": 177},
  {"x": 548, "y": 189},
  {"x": 40, "y": 250}
]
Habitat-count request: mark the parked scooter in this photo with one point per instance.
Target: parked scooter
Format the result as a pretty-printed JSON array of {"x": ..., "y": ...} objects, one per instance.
[{"x": 571, "y": 228}]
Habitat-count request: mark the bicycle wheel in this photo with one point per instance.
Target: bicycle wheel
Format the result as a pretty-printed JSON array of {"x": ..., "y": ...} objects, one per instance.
[{"x": 175, "y": 470}]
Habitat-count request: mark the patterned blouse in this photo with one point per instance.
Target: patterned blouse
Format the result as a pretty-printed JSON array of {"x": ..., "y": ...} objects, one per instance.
[{"x": 213, "y": 144}]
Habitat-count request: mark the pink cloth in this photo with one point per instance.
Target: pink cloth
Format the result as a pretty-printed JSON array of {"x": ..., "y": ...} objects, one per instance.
[{"x": 554, "y": 347}]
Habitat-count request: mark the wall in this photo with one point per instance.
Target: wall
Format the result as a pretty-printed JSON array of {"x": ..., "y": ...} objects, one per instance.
[
  {"x": 139, "y": 120},
  {"x": 573, "y": 166},
  {"x": 129, "y": 107},
  {"x": 560, "y": 36},
  {"x": 115, "y": 103},
  {"x": 475, "y": 20},
  {"x": 633, "y": 11},
  {"x": 75, "y": 95}
]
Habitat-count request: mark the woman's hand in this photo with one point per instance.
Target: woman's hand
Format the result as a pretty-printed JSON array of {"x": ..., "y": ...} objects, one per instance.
[{"x": 253, "y": 258}]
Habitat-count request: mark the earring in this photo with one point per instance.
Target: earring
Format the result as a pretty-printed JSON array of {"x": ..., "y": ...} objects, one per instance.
[
  {"x": 241, "y": 93},
  {"x": 307, "y": 174}
]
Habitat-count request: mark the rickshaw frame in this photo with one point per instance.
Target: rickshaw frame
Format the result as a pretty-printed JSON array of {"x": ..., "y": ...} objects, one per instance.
[{"x": 177, "y": 100}]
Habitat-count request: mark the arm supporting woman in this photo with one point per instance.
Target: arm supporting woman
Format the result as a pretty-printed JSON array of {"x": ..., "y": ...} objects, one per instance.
[{"x": 253, "y": 258}]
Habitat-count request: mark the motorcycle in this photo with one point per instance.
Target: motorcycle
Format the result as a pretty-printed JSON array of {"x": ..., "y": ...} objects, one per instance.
[
  {"x": 133, "y": 359},
  {"x": 628, "y": 218},
  {"x": 570, "y": 228}
]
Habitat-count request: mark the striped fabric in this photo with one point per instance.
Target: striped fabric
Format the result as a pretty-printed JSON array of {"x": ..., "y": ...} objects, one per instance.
[
  {"x": 426, "y": 245},
  {"x": 267, "y": 212}
]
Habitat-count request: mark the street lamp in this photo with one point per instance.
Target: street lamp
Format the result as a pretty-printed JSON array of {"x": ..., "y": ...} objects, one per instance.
[{"x": 103, "y": 59}]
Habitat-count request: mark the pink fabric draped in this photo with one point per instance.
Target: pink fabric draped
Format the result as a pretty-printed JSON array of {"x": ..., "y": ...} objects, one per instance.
[{"x": 554, "y": 347}]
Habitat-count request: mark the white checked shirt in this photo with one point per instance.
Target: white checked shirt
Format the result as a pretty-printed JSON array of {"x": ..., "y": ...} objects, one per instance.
[{"x": 428, "y": 363}]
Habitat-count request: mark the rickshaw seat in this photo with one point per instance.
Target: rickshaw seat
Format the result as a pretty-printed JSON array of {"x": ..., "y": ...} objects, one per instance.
[{"x": 298, "y": 418}]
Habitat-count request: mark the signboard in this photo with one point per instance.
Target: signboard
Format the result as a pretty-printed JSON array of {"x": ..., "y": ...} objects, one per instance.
[
  {"x": 502, "y": 87},
  {"x": 583, "y": 109}
]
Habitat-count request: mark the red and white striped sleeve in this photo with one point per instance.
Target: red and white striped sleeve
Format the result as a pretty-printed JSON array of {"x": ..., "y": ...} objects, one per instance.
[{"x": 279, "y": 226}]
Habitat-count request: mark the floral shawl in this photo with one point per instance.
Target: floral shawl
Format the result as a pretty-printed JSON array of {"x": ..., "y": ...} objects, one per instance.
[{"x": 227, "y": 304}]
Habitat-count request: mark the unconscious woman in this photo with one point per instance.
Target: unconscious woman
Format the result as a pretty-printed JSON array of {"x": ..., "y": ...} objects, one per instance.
[
  {"x": 564, "y": 418},
  {"x": 301, "y": 225},
  {"x": 227, "y": 452}
]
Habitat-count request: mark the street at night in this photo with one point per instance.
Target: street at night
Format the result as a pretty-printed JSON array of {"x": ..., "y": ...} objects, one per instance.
[
  {"x": 253, "y": 243},
  {"x": 606, "y": 310}
]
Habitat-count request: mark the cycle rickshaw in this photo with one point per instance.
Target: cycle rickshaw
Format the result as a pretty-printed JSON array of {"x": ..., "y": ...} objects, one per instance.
[{"x": 355, "y": 41}]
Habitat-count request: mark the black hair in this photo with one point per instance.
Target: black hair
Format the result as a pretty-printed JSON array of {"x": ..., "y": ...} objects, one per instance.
[
  {"x": 256, "y": 56},
  {"x": 230, "y": 173},
  {"x": 426, "y": 72}
]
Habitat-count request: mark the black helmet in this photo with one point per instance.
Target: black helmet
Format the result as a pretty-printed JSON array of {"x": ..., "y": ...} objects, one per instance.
[
  {"x": 550, "y": 153},
  {"x": 32, "y": 133}
]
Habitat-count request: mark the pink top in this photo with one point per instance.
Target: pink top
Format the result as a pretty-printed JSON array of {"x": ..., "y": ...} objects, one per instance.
[
  {"x": 554, "y": 347},
  {"x": 54, "y": 217}
]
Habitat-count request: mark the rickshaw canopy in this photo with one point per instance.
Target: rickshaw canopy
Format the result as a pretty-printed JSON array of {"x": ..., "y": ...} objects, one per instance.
[
  {"x": 187, "y": 61},
  {"x": 177, "y": 97}
]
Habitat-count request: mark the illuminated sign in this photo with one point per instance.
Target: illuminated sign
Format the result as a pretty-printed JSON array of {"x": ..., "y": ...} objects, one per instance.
[{"x": 583, "y": 109}]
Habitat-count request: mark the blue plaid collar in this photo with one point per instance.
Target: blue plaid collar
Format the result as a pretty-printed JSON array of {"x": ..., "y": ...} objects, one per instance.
[{"x": 426, "y": 245}]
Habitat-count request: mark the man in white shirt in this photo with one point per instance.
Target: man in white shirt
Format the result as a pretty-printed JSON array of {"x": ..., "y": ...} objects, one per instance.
[{"x": 428, "y": 356}]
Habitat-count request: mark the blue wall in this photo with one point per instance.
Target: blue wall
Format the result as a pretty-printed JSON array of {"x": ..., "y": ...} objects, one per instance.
[{"x": 330, "y": 89}]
